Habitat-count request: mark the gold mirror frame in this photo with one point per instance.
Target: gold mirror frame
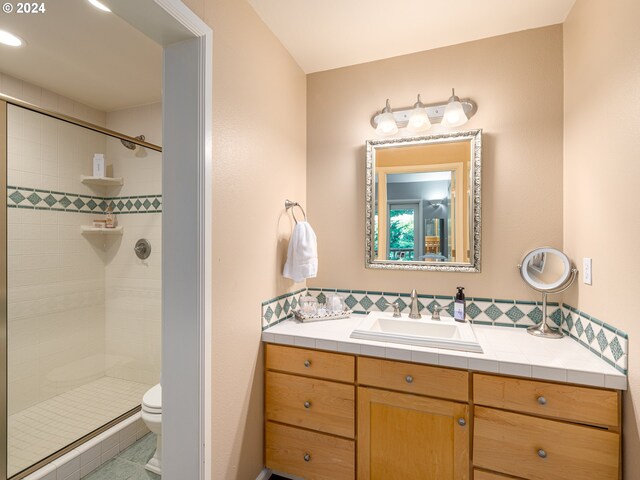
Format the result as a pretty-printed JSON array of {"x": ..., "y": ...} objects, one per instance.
[{"x": 475, "y": 189}]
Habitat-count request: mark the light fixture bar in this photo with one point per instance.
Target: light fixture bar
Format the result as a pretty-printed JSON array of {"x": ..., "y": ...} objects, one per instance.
[{"x": 435, "y": 112}]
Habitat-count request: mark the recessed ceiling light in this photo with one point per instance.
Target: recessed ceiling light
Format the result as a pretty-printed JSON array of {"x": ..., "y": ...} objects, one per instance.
[
  {"x": 100, "y": 6},
  {"x": 10, "y": 39}
]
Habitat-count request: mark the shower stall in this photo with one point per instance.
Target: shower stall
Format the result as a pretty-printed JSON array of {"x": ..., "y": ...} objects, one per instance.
[{"x": 80, "y": 306}]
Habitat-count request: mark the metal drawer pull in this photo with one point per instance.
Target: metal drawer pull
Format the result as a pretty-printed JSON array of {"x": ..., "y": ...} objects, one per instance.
[
  {"x": 542, "y": 400},
  {"x": 409, "y": 379},
  {"x": 542, "y": 453},
  {"x": 462, "y": 422},
  {"x": 307, "y": 363},
  {"x": 307, "y": 457},
  {"x": 307, "y": 404}
]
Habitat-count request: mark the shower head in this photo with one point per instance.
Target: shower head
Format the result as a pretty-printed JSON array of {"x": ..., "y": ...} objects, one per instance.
[{"x": 131, "y": 145}]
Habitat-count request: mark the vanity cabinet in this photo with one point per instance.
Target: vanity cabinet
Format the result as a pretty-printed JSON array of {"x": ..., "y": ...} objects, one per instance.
[
  {"x": 405, "y": 434},
  {"x": 545, "y": 431},
  {"x": 418, "y": 421},
  {"x": 310, "y": 413}
]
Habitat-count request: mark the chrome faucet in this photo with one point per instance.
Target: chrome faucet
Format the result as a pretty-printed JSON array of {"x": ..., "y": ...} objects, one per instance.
[
  {"x": 436, "y": 312},
  {"x": 415, "y": 310}
]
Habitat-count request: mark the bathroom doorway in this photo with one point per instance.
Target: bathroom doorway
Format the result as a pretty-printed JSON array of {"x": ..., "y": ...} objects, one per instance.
[
  {"x": 84, "y": 312},
  {"x": 186, "y": 43}
]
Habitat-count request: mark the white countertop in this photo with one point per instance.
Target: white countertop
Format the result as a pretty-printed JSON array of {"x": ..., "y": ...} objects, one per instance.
[{"x": 508, "y": 351}]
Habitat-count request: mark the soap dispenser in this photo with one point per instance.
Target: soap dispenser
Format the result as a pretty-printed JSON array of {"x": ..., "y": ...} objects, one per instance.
[{"x": 459, "y": 306}]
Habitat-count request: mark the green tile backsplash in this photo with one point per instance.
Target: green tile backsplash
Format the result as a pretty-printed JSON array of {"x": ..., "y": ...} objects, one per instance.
[{"x": 601, "y": 339}]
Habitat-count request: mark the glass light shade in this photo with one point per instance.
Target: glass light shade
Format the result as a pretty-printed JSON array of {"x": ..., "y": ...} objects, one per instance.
[
  {"x": 419, "y": 120},
  {"x": 454, "y": 115},
  {"x": 386, "y": 124}
]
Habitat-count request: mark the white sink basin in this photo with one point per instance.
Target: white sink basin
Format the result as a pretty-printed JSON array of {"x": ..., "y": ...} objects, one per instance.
[{"x": 446, "y": 333}]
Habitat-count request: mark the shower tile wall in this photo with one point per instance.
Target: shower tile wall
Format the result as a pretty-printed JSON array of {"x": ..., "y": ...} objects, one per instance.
[
  {"x": 48, "y": 100},
  {"x": 133, "y": 286},
  {"x": 56, "y": 277}
]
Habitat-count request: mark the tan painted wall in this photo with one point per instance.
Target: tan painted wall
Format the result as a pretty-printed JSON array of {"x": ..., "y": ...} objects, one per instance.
[
  {"x": 516, "y": 80},
  {"x": 601, "y": 171},
  {"x": 259, "y": 135}
]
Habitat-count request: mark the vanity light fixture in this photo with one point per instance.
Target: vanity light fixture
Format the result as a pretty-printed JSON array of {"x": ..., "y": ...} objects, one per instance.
[
  {"x": 10, "y": 39},
  {"x": 100, "y": 6},
  {"x": 453, "y": 113},
  {"x": 386, "y": 122},
  {"x": 419, "y": 118}
]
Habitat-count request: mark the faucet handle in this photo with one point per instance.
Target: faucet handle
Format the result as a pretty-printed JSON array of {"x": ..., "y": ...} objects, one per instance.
[
  {"x": 436, "y": 312},
  {"x": 396, "y": 309}
]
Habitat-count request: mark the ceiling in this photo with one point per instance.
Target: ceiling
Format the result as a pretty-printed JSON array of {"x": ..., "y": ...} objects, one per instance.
[
  {"x": 77, "y": 51},
  {"x": 327, "y": 34}
]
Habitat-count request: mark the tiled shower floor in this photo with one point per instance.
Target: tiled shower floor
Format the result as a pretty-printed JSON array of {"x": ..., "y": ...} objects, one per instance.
[{"x": 46, "y": 427}]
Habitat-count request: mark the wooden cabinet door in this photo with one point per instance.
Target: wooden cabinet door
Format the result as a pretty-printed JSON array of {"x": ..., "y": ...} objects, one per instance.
[{"x": 408, "y": 437}]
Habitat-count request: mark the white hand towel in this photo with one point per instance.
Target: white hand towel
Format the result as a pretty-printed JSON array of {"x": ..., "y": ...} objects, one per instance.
[{"x": 302, "y": 256}]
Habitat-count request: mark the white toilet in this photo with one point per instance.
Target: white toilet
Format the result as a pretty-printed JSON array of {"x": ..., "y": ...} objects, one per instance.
[{"x": 152, "y": 417}]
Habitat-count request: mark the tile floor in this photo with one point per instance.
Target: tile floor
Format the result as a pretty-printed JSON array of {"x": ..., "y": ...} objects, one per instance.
[
  {"x": 128, "y": 464},
  {"x": 41, "y": 430}
]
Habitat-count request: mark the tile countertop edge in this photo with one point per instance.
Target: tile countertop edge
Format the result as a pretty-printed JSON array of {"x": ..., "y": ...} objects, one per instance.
[{"x": 505, "y": 363}]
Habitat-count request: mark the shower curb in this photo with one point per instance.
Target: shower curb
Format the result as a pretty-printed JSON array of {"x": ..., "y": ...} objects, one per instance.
[{"x": 84, "y": 459}]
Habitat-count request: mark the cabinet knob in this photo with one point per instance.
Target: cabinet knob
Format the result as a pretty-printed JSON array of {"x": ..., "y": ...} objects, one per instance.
[
  {"x": 307, "y": 363},
  {"x": 542, "y": 400},
  {"x": 542, "y": 453},
  {"x": 307, "y": 457},
  {"x": 409, "y": 379},
  {"x": 462, "y": 422},
  {"x": 307, "y": 404}
]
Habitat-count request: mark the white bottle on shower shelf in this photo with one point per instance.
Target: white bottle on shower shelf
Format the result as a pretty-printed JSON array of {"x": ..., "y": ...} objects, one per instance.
[{"x": 98, "y": 165}]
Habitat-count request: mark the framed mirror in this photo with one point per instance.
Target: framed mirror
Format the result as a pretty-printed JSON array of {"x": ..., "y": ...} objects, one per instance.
[{"x": 423, "y": 202}]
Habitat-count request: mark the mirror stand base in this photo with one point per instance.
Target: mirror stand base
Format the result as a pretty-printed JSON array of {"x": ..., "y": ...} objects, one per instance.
[{"x": 545, "y": 331}]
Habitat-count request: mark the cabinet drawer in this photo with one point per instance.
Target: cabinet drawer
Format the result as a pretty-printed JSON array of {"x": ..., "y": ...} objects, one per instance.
[
  {"x": 541, "y": 449},
  {"x": 309, "y": 455},
  {"x": 331, "y": 366},
  {"x": 413, "y": 378},
  {"x": 482, "y": 475},
  {"x": 577, "y": 404},
  {"x": 311, "y": 403}
]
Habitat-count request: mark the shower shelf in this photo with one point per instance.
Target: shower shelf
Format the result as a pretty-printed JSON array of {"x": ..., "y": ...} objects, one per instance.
[
  {"x": 102, "y": 181},
  {"x": 86, "y": 230}
]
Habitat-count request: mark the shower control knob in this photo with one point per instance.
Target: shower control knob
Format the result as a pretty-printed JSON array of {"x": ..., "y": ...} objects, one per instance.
[{"x": 142, "y": 249}]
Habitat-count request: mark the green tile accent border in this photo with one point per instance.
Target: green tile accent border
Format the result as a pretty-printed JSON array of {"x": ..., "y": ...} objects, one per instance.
[
  {"x": 602, "y": 339},
  {"x": 36, "y": 199},
  {"x": 280, "y": 308}
]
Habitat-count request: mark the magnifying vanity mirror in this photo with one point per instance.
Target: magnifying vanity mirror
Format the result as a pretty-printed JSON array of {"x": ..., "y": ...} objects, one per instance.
[
  {"x": 547, "y": 270},
  {"x": 423, "y": 200}
]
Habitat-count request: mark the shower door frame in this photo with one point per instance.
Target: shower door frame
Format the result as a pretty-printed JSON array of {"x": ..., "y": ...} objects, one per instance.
[
  {"x": 5, "y": 101},
  {"x": 3, "y": 291}
]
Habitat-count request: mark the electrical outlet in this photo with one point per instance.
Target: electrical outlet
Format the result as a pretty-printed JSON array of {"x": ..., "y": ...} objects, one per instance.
[{"x": 586, "y": 271}]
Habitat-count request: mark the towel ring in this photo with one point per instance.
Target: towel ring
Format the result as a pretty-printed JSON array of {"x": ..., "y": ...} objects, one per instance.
[{"x": 288, "y": 204}]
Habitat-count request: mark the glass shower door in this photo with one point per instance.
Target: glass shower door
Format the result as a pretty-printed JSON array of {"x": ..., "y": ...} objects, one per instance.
[{"x": 83, "y": 313}]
